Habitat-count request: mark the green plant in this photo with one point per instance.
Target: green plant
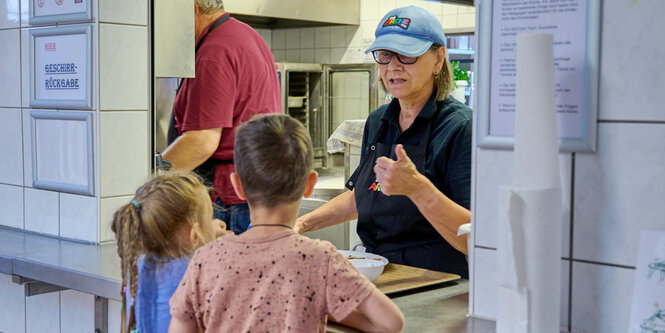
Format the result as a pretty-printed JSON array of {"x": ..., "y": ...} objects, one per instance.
[{"x": 459, "y": 74}]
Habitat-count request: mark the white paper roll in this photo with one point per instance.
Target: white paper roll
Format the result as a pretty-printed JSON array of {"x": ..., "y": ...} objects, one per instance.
[
  {"x": 529, "y": 260},
  {"x": 536, "y": 142},
  {"x": 529, "y": 216}
]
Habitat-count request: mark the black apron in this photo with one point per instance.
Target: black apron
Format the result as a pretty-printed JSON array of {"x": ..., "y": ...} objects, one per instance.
[
  {"x": 392, "y": 226},
  {"x": 207, "y": 169}
]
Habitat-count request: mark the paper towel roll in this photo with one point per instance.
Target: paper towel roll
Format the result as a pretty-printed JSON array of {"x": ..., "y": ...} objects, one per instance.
[
  {"x": 536, "y": 142},
  {"x": 529, "y": 216},
  {"x": 529, "y": 260}
]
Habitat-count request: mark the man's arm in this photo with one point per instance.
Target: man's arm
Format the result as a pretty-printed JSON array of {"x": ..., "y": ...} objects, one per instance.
[{"x": 192, "y": 148}]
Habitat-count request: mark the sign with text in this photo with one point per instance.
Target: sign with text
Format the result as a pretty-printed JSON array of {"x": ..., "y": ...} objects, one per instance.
[
  {"x": 57, "y": 11},
  {"x": 60, "y": 67},
  {"x": 574, "y": 25}
]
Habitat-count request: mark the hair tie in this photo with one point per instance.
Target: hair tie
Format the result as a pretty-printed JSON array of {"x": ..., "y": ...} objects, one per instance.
[{"x": 138, "y": 207}]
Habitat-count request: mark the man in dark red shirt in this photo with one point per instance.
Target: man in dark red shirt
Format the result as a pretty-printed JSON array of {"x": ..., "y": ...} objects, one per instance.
[{"x": 235, "y": 79}]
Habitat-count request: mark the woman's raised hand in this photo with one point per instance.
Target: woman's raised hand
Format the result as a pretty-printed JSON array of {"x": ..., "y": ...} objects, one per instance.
[{"x": 398, "y": 177}]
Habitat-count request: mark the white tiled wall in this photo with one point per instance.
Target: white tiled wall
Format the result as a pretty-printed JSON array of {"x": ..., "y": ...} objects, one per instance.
[
  {"x": 12, "y": 301},
  {"x": 123, "y": 67},
  {"x": 123, "y": 152},
  {"x": 10, "y": 68},
  {"x": 64, "y": 311},
  {"x": 41, "y": 211},
  {"x": 639, "y": 25},
  {"x": 27, "y": 147},
  {"x": 77, "y": 311},
  {"x": 120, "y": 83},
  {"x": 124, "y": 45},
  {"x": 11, "y": 206},
  {"x": 114, "y": 317},
  {"x": 25, "y": 69},
  {"x": 601, "y": 298},
  {"x": 9, "y": 15},
  {"x": 617, "y": 190},
  {"x": 346, "y": 44},
  {"x": 42, "y": 313},
  {"x": 75, "y": 212},
  {"x": 11, "y": 147},
  {"x": 107, "y": 207},
  {"x": 124, "y": 11}
]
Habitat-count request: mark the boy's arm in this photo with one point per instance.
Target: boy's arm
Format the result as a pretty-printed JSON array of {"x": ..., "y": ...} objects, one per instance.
[
  {"x": 180, "y": 326},
  {"x": 376, "y": 314}
]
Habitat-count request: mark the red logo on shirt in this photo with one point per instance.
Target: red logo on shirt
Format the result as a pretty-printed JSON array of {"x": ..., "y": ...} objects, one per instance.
[
  {"x": 49, "y": 47},
  {"x": 376, "y": 186}
]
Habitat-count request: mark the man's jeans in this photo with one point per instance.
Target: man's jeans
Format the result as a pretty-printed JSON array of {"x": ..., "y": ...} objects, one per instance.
[{"x": 236, "y": 217}]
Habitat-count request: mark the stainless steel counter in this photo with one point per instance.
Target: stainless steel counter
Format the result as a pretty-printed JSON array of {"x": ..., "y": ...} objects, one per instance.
[
  {"x": 95, "y": 269},
  {"x": 441, "y": 308}
]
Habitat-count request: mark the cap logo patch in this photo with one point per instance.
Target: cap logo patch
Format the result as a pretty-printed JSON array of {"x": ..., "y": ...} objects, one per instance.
[{"x": 401, "y": 22}]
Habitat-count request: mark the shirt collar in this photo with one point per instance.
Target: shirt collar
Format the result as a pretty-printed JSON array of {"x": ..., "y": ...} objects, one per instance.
[
  {"x": 207, "y": 28},
  {"x": 426, "y": 113}
]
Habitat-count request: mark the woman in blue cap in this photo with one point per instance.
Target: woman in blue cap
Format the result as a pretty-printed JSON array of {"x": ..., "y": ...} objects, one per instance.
[{"x": 411, "y": 190}]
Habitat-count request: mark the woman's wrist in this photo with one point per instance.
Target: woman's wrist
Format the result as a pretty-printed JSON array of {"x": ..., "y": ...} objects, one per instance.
[
  {"x": 421, "y": 187},
  {"x": 301, "y": 225}
]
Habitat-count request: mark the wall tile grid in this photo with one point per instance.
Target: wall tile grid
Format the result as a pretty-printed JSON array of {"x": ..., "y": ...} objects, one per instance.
[
  {"x": 616, "y": 191},
  {"x": 64, "y": 311},
  {"x": 120, "y": 90},
  {"x": 347, "y": 44},
  {"x": 124, "y": 87},
  {"x": 13, "y": 305}
]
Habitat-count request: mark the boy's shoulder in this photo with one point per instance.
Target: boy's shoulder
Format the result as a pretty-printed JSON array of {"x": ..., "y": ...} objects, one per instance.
[{"x": 315, "y": 244}]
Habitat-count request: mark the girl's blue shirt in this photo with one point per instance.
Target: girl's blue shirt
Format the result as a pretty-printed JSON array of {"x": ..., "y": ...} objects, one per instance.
[{"x": 157, "y": 281}]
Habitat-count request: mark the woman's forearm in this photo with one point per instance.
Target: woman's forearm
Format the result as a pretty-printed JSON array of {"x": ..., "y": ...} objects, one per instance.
[
  {"x": 339, "y": 209},
  {"x": 445, "y": 215}
]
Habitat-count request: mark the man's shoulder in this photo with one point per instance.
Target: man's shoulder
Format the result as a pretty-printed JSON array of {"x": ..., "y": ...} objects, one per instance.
[{"x": 233, "y": 30}]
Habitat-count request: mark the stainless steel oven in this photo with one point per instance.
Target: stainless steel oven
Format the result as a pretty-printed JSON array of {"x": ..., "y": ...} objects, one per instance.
[{"x": 322, "y": 96}]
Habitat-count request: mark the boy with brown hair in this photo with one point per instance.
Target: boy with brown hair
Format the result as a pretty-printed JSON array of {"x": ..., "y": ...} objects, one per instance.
[{"x": 270, "y": 278}]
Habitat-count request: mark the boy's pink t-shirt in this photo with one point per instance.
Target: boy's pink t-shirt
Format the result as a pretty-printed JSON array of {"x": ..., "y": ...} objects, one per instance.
[{"x": 278, "y": 283}]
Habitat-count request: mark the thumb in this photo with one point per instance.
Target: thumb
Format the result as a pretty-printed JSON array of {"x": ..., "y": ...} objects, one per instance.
[{"x": 401, "y": 154}]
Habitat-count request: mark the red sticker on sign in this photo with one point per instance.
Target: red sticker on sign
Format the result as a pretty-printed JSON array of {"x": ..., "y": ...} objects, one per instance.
[{"x": 49, "y": 47}]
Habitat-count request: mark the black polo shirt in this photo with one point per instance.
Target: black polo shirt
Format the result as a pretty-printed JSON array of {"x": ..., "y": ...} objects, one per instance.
[{"x": 448, "y": 161}]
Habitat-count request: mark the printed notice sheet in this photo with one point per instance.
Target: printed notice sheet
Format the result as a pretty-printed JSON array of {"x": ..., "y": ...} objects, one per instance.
[{"x": 566, "y": 21}]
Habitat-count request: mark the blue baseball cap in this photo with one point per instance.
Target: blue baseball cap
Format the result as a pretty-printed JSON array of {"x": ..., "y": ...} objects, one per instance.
[{"x": 409, "y": 31}]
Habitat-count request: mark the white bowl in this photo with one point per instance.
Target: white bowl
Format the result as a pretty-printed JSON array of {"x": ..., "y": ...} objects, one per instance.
[{"x": 368, "y": 264}]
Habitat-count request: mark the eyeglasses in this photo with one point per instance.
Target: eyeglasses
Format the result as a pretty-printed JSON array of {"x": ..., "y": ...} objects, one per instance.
[{"x": 384, "y": 57}]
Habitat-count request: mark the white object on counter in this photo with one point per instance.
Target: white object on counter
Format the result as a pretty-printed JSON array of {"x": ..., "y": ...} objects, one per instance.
[
  {"x": 349, "y": 131},
  {"x": 530, "y": 210},
  {"x": 368, "y": 264}
]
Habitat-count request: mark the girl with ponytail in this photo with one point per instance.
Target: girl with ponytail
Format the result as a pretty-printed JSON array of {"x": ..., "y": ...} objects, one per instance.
[{"x": 169, "y": 217}]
